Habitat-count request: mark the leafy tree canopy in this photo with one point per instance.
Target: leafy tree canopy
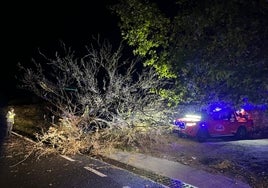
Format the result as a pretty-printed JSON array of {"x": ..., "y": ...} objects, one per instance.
[{"x": 212, "y": 49}]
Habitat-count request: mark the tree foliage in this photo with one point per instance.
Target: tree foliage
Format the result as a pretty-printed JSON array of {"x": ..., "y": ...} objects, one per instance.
[
  {"x": 145, "y": 28},
  {"x": 100, "y": 89},
  {"x": 217, "y": 50}
]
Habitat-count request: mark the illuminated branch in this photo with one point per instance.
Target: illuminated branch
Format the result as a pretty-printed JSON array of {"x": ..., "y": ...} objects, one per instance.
[{"x": 102, "y": 84}]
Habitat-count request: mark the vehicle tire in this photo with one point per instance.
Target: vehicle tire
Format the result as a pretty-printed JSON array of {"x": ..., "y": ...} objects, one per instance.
[
  {"x": 202, "y": 135},
  {"x": 241, "y": 133}
]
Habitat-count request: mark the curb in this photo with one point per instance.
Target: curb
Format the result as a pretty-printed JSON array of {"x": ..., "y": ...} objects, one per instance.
[{"x": 28, "y": 139}]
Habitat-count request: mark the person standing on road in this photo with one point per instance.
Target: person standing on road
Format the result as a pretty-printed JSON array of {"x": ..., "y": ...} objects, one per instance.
[{"x": 10, "y": 120}]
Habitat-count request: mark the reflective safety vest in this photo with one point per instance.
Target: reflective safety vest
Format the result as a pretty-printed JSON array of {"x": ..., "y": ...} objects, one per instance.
[{"x": 10, "y": 116}]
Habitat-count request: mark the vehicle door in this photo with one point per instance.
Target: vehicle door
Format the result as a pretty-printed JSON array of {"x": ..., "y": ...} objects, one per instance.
[{"x": 221, "y": 124}]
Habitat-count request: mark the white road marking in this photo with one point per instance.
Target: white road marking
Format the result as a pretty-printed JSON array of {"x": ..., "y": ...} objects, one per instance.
[
  {"x": 68, "y": 158},
  {"x": 95, "y": 171}
]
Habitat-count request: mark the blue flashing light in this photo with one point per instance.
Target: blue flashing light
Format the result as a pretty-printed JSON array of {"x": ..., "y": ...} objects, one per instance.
[
  {"x": 250, "y": 107},
  {"x": 202, "y": 124},
  {"x": 217, "y": 109}
]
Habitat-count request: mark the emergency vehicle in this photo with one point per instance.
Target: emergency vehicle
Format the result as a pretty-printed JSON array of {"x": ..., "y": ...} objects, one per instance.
[{"x": 219, "y": 123}]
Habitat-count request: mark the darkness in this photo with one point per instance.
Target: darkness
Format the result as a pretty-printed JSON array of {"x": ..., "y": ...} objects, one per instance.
[{"x": 29, "y": 26}]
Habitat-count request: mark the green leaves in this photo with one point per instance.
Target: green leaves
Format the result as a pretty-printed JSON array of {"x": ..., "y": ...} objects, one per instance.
[
  {"x": 213, "y": 48},
  {"x": 144, "y": 27}
]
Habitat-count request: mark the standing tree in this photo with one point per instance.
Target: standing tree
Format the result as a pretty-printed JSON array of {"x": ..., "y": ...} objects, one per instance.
[{"x": 216, "y": 50}]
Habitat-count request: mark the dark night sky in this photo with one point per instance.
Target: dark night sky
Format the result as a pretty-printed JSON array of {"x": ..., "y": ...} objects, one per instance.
[{"x": 29, "y": 25}]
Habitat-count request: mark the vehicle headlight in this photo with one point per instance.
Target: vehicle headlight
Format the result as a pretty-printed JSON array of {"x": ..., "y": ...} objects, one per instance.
[
  {"x": 191, "y": 124},
  {"x": 191, "y": 117}
]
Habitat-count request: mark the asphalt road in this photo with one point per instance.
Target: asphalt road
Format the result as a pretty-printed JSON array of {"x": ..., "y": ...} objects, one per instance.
[
  {"x": 245, "y": 160},
  {"x": 21, "y": 168}
]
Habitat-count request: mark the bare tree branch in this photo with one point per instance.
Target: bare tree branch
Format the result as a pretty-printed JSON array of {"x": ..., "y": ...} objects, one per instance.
[{"x": 100, "y": 88}]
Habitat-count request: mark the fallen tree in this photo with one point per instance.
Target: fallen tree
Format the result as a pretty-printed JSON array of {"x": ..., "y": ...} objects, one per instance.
[{"x": 99, "y": 90}]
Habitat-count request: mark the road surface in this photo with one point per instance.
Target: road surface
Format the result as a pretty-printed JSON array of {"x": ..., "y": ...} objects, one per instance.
[{"x": 21, "y": 168}]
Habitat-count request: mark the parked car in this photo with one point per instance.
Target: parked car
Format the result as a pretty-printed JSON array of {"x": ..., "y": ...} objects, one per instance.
[{"x": 219, "y": 123}]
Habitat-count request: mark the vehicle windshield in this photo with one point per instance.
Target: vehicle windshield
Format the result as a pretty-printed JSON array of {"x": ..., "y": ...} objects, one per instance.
[{"x": 222, "y": 114}]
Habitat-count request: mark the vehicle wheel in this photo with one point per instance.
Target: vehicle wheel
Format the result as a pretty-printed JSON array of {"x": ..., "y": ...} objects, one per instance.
[
  {"x": 241, "y": 133},
  {"x": 202, "y": 135}
]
